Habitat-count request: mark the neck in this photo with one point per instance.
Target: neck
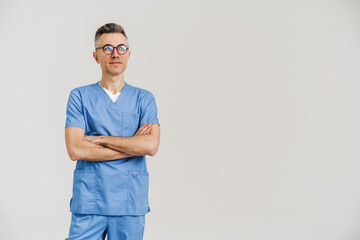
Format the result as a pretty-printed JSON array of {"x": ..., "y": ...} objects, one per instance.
[{"x": 113, "y": 83}]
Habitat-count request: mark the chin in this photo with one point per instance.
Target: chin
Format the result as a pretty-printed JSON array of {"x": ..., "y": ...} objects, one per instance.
[{"x": 116, "y": 73}]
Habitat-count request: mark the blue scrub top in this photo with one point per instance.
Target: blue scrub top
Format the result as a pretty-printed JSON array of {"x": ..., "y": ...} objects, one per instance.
[{"x": 116, "y": 187}]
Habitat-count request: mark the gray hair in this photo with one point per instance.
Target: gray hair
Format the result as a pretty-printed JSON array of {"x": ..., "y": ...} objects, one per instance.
[{"x": 108, "y": 28}]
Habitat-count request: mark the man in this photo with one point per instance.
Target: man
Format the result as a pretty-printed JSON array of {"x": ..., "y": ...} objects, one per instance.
[{"x": 111, "y": 182}]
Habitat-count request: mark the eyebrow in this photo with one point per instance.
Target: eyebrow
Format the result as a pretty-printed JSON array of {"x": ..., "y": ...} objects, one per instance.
[{"x": 114, "y": 45}]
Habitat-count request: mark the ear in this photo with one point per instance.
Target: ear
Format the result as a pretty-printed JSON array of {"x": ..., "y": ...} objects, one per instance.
[
  {"x": 129, "y": 53},
  {"x": 96, "y": 57}
]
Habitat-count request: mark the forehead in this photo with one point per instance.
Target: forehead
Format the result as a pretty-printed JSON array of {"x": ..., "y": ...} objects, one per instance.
[{"x": 113, "y": 39}]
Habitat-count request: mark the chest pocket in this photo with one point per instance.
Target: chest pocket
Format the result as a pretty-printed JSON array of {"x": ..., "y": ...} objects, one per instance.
[{"x": 130, "y": 123}]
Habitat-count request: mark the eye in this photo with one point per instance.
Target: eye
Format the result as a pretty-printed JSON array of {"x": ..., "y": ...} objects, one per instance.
[
  {"x": 122, "y": 47},
  {"x": 108, "y": 47}
]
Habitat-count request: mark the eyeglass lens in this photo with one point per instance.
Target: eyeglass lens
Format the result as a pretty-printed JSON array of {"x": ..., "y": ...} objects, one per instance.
[{"x": 109, "y": 49}]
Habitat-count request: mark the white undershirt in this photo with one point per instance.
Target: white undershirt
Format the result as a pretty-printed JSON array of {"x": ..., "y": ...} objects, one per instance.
[{"x": 111, "y": 95}]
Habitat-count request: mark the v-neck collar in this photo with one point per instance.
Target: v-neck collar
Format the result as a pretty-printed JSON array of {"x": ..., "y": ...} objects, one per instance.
[{"x": 107, "y": 97}]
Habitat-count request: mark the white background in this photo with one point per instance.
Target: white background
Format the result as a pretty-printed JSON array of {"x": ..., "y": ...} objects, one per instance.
[{"x": 258, "y": 103}]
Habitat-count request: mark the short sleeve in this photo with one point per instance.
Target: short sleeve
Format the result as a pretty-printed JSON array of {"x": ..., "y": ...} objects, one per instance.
[
  {"x": 74, "y": 111},
  {"x": 148, "y": 110}
]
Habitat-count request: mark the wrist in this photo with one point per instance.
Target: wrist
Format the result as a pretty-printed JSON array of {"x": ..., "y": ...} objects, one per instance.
[{"x": 102, "y": 140}]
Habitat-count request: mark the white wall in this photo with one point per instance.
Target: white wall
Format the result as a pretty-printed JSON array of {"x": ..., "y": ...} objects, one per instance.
[{"x": 258, "y": 103}]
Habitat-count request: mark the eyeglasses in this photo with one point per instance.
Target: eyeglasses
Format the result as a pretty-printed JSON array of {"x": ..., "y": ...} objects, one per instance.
[{"x": 109, "y": 49}]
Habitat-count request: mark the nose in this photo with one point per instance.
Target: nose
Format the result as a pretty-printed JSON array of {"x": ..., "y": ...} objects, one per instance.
[{"x": 115, "y": 53}]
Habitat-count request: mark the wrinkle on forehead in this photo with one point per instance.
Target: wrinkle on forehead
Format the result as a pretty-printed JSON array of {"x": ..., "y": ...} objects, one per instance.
[{"x": 113, "y": 39}]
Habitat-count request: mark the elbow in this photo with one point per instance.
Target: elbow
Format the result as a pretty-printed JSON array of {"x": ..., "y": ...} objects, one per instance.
[
  {"x": 153, "y": 150},
  {"x": 74, "y": 156}
]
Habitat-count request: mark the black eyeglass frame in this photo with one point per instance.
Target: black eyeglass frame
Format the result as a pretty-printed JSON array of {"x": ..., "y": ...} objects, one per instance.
[{"x": 117, "y": 49}]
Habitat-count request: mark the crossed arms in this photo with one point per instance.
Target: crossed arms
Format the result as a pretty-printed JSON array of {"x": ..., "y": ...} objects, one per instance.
[{"x": 103, "y": 148}]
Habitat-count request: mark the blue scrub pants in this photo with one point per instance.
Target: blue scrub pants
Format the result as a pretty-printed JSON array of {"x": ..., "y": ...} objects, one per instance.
[{"x": 95, "y": 227}]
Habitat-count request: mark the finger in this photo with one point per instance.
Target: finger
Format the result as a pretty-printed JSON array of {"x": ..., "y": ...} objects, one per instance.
[
  {"x": 148, "y": 131},
  {"x": 145, "y": 131},
  {"x": 144, "y": 125},
  {"x": 149, "y": 128},
  {"x": 141, "y": 129}
]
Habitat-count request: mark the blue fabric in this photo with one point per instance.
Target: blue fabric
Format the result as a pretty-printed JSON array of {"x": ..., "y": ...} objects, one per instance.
[
  {"x": 96, "y": 227},
  {"x": 116, "y": 187}
]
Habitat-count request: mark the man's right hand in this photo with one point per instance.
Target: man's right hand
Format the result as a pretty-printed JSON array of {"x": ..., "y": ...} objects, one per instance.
[{"x": 144, "y": 129}]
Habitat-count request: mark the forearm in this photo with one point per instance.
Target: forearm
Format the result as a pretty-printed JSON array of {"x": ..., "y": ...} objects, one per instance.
[
  {"x": 137, "y": 145},
  {"x": 90, "y": 151}
]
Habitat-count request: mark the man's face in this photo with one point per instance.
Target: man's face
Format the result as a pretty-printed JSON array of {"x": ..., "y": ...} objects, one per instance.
[{"x": 115, "y": 63}]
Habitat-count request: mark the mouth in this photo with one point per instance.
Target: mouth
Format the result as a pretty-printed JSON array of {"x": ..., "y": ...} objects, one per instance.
[{"x": 116, "y": 63}]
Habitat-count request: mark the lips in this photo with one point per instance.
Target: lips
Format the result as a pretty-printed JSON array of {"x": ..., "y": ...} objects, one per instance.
[{"x": 116, "y": 63}]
